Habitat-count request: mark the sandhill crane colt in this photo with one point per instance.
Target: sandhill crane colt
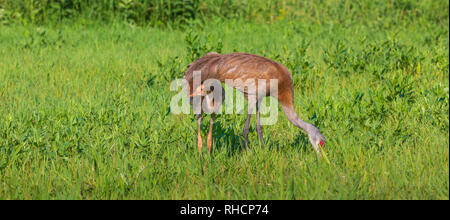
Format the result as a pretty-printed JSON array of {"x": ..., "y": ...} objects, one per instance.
[{"x": 245, "y": 66}]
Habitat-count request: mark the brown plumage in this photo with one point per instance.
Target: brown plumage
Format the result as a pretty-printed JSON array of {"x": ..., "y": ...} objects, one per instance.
[{"x": 243, "y": 66}]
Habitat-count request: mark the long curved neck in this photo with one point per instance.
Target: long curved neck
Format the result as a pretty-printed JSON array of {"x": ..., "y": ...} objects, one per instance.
[{"x": 295, "y": 120}]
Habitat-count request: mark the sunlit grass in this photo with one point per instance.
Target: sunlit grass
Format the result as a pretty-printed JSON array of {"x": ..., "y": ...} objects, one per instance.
[{"x": 83, "y": 114}]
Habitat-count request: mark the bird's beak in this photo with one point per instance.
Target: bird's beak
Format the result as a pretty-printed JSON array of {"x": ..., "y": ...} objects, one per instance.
[
  {"x": 317, "y": 149},
  {"x": 321, "y": 151}
]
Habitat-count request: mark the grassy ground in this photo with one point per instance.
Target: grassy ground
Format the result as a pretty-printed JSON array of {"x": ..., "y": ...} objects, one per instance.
[{"x": 84, "y": 112}]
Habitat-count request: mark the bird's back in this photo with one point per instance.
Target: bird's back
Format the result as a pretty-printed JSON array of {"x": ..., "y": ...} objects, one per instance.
[{"x": 239, "y": 67}]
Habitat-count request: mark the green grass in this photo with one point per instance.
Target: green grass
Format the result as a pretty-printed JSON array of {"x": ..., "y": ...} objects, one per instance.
[{"x": 84, "y": 112}]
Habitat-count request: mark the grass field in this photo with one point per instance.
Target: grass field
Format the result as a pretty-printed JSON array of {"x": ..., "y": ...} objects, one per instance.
[{"x": 84, "y": 108}]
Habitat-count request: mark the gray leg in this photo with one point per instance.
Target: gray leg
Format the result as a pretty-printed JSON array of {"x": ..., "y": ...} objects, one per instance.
[
  {"x": 247, "y": 122},
  {"x": 258, "y": 125},
  {"x": 251, "y": 104}
]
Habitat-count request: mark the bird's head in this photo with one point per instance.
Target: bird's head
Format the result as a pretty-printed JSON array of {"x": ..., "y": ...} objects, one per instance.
[
  {"x": 316, "y": 138},
  {"x": 214, "y": 98}
]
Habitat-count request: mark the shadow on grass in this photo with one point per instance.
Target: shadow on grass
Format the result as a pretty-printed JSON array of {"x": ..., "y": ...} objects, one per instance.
[
  {"x": 301, "y": 142},
  {"x": 226, "y": 137},
  {"x": 233, "y": 141},
  {"x": 230, "y": 139}
]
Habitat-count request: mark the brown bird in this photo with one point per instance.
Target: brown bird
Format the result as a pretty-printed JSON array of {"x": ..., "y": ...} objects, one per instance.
[
  {"x": 239, "y": 67},
  {"x": 212, "y": 105}
]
